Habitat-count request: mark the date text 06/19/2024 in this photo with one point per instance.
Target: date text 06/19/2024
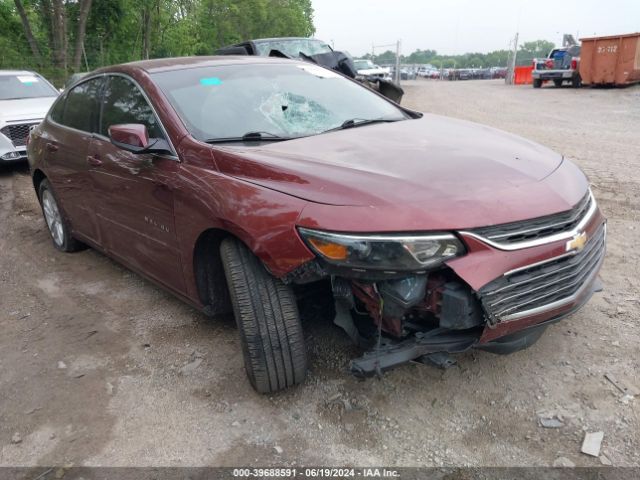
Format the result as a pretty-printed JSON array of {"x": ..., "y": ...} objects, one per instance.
[{"x": 315, "y": 473}]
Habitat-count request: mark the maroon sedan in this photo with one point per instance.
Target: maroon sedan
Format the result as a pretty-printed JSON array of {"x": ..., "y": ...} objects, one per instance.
[{"x": 238, "y": 183}]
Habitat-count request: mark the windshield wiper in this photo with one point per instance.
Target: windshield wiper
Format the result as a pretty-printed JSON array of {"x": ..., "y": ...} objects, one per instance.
[
  {"x": 359, "y": 122},
  {"x": 252, "y": 137}
]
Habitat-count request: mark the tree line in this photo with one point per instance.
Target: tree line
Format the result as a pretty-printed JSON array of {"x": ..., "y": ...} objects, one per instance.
[
  {"x": 497, "y": 58},
  {"x": 60, "y": 37}
]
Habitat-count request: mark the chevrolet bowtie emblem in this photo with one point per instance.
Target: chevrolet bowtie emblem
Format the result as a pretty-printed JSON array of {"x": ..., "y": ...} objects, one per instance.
[{"x": 577, "y": 243}]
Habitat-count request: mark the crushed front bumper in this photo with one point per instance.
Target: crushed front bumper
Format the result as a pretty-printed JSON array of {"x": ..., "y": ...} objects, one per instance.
[
  {"x": 521, "y": 292},
  {"x": 392, "y": 354}
]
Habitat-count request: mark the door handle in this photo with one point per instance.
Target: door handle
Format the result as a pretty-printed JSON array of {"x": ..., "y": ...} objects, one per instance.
[
  {"x": 51, "y": 147},
  {"x": 96, "y": 162}
]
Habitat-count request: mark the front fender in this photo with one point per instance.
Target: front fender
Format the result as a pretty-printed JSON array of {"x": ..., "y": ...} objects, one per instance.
[{"x": 265, "y": 220}]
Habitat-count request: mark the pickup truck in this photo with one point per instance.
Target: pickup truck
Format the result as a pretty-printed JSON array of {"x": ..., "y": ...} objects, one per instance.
[{"x": 562, "y": 65}]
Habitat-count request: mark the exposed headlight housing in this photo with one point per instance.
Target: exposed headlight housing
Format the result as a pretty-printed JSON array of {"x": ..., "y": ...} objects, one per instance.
[{"x": 390, "y": 252}]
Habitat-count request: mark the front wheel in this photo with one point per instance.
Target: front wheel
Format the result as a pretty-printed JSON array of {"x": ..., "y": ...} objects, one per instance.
[
  {"x": 267, "y": 315},
  {"x": 56, "y": 223}
]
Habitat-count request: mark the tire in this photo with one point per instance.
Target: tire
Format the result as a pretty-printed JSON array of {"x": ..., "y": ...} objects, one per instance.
[
  {"x": 537, "y": 83},
  {"x": 266, "y": 313},
  {"x": 55, "y": 220},
  {"x": 576, "y": 81},
  {"x": 557, "y": 83}
]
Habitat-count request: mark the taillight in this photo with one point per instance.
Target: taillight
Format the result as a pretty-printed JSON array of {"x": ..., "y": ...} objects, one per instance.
[{"x": 574, "y": 63}]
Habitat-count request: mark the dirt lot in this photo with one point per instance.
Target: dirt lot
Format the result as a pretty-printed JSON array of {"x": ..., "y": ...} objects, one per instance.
[{"x": 99, "y": 367}]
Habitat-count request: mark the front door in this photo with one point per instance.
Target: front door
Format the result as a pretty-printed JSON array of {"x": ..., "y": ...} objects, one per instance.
[{"x": 135, "y": 204}]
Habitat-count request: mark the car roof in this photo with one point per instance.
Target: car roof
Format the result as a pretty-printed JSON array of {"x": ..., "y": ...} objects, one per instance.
[{"x": 183, "y": 63}]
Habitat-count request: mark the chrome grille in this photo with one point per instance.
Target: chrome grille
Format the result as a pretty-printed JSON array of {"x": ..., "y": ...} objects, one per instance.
[
  {"x": 541, "y": 227},
  {"x": 17, "y": 133},
  {"x": 544, "y": 285}
]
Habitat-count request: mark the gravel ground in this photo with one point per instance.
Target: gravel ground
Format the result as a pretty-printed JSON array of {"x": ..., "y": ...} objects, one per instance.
[{"x": 100, "y": 367}]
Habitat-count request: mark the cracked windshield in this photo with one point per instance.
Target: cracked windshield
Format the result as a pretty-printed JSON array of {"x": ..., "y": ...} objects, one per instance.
[{"x": 285, "y": 101}]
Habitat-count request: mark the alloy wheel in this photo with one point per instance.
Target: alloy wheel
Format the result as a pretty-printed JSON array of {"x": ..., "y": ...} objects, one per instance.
[{"x": 53, "y": 217}]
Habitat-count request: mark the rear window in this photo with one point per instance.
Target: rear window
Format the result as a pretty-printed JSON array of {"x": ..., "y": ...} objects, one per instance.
[
  {"x": 16, "y": 87},
  {"x": 292, "y": 48}
]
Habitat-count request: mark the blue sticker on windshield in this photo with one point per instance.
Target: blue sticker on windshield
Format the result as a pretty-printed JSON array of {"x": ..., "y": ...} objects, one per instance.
[{"x": 210, "y": 82}]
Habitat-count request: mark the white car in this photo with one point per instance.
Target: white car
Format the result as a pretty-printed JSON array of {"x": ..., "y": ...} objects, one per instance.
[
  {"x": 25, "y": 99},
  {"x": 367, "y": 69}
]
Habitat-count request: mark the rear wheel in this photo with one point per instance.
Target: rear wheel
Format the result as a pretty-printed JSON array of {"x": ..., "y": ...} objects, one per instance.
[
  {"x": 265, "y": 309},
  {"x": 557, "y": 82},
  {"x": 537, "y": 83},
  {"x": 576, "y": 81},
  {"x": 56, "y": 223}
]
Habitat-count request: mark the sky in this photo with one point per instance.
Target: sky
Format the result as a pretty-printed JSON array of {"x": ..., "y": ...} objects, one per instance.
[{"x": 460, "y": 26}]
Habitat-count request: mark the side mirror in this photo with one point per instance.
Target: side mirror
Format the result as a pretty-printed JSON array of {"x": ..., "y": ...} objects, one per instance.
[{"x": 133, "y": 137}]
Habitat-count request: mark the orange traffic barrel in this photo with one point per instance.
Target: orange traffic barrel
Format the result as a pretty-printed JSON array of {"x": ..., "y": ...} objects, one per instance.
[{"x": 612, "y": 60}]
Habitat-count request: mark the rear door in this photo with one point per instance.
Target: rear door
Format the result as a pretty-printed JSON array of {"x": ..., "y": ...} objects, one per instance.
[
  {"x": 135, "y": 191},
  {"x": 72, "y": 123}
]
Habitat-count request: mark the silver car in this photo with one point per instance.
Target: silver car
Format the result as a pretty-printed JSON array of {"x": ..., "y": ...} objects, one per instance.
[{"x": 25, "y": 99}]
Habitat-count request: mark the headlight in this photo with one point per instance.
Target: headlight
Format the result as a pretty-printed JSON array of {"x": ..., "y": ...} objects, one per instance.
[
  {"x": 11, "y": 156},
  {"x": 383, "y": 252}
]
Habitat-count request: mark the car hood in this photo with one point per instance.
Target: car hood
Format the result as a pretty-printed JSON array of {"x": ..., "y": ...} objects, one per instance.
[
  {"x": 25, "y": 109},
  {"x": 412, "y": 161}
]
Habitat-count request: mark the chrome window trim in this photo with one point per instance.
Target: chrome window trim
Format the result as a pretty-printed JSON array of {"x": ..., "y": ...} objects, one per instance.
[
  {"x": 63, "y": 97},
  {"x": 153, "y": 109},
  {"x": 173, "y": 156},
  {"x": 539, "y": 241}
]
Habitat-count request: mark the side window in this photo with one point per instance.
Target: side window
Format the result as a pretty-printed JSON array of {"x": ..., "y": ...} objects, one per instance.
[
  {"x": 57, "y": 111},
  {"x": 124, "y": 103},
  {"x": 82, "y": 106}
]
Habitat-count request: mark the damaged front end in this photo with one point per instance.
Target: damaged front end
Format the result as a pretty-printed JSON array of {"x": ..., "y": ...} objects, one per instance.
[
  {"x": 394, "y": 295},
  {"x": 415, "y": 317}
]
